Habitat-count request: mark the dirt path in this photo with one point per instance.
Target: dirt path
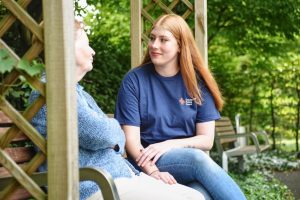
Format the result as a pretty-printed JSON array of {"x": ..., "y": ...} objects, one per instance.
[{"x": 292, "y": 180}]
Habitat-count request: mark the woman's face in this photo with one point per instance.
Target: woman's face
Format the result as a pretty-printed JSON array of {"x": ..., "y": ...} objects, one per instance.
[
  {"x": 83, "y": 53},
  {"x": 163, "y": 48}
]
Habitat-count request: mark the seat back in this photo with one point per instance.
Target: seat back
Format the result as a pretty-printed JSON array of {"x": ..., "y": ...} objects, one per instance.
[{"x": 224, "y": 127}]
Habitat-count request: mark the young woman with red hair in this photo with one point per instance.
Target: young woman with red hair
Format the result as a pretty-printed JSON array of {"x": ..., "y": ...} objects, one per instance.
[{"x": 167, "y": 108}]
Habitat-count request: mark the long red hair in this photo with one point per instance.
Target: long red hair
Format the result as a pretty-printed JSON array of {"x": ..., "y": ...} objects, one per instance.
[{"x": 190, "y": 60}]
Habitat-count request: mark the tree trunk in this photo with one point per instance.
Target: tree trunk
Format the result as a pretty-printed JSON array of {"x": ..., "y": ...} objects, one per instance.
[
  {"x": 273, "y": 112},
  {"x": 298, "y": 114},
  {"x": 252, "y": 101}
]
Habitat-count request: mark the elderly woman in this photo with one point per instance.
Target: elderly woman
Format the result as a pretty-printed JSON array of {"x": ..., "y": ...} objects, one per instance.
[{"x": 102, "y": 141}]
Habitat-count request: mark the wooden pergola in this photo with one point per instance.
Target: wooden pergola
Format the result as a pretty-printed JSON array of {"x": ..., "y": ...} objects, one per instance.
[{"x": 55, "y": 36}]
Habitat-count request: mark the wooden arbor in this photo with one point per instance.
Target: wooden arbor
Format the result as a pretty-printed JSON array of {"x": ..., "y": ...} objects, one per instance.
[
  {"x": 56, "y": 39},
  {"x": 62, "y": 146},
  {"x": 144, "y": 13}
]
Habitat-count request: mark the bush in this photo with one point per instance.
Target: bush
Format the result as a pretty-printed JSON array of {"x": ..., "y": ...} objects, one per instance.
[
  {"x": 257, "y": 185},
  {"x": 257, "y": 181},
  {"x": 272, "y": 160}
]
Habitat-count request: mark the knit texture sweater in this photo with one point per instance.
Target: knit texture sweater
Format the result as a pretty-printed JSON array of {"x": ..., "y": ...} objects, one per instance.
[{"x": 98, "y": 135}]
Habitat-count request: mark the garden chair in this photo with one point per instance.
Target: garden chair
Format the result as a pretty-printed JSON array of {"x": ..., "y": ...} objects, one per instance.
[{"x": 227, "y": 146}]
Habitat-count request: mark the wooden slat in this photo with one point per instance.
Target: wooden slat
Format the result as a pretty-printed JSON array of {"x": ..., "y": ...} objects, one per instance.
[
  {"x": 224, "y": 127},
  {"x": 29, "y": 168},
  {"x": 35, "y": 83},
  {"x": 225, "y": 132},
  {"x": 163, "y": 6},
  {"x": 21, "y": 176},
  {"x": 9, "y": 19},
  {"x": 149, "y": 6},
  {"x": 186, "y": 14},
  {"x": 4, "y": 118},
  {"x": 5, "y": 124},
  {"x": 223, "y": 123},
  {"x": 5, "y": 173},
  {"x": 20, "y": 154},
  {"x": 201, "y": 28},
  {"x": 32, "y": 53},
  {"x": 35, "y": 50},
  {"x": 188, "y": 4},
  {"x": 24, "y": 125},
  {"x": 147, "y": 16},
  {"x": 173, "y": 4},
  {"x": 110, "y": 115},
  {"x": 28, "y": 114},
  {"x": 63, "y": 176},
  {"x": 136, "y": 33},
  {"x": 24, "y": 17},
  {"x": 20, "y": 194},
  {"x": 18, "y": 138},
  {"x": 227, "y": 140},
  {"x": 242, "y": 150}
]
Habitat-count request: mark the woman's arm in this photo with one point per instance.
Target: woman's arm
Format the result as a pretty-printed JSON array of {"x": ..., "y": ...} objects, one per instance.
[
  {"x": 203, "y": 140},
  {"x": 95, "y": 130},
  {"x": 135, "y": 149}
]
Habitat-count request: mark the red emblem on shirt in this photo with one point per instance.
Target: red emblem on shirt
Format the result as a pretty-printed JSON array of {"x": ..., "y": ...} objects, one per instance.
[{"x": 181, "y": 101}]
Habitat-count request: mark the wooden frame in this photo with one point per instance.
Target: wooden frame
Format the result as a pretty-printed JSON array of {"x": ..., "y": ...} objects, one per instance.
[
  {"x": 63, "y": 180},
  {"x": 200, "y": 9}
]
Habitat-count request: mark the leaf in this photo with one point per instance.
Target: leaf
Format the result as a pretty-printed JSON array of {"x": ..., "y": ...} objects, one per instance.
[
  {"x": 7, "y": 63},
  {"x": 33, "y": 69}
]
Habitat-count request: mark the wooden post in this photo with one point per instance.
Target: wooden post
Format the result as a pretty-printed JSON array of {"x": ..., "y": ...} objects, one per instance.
[
  {"x": 201, "y": 27},
  {"x": 62, "y": 147},
  {"x": 136, "y": 32}
]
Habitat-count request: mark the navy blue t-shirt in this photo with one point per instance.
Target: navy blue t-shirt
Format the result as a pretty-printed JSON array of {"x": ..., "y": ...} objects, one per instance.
[{"x": 161, "y": 106}]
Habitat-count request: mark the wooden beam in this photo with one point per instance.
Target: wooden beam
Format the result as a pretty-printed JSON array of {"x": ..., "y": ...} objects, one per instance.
[
  {"x": 136, "y": 32},
  {"x": 201, "y": 28},
  {"x": 24, "y": 17},
  {"x": 62, "y": 147}
]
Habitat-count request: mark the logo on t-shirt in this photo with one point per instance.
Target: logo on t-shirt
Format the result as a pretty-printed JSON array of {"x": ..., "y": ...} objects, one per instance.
[{"x": 186, "y": 101}]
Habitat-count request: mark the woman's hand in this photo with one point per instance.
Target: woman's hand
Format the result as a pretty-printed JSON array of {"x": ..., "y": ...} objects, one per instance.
[
  {"x": 153, "y": 152},
  {"x": 166, "y": 177}
]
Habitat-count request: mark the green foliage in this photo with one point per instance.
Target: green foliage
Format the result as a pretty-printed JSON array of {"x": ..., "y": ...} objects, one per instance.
[
  {"x": 272, "y": 160},
  {"x": 108, "y": 25},
  {"x": 257, "y": 181},
  {"x": 6, "y": 61},
  {"x": 259, "y": 186},
  {"x": 254, "y": 54},
  {"x": 18, "y": 93},
  {"x": 31, "y": 69}
]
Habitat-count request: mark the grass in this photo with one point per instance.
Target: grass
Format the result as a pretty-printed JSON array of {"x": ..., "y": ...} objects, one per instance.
[{"x": 288, "y": 145}]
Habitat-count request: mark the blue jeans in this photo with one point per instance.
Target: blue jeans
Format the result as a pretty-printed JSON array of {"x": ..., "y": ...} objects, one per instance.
[{"x": 194, "y": 168}]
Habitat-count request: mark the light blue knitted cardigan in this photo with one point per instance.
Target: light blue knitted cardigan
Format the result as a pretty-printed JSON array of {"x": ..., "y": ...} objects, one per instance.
[{"x": 98, "y": 134}]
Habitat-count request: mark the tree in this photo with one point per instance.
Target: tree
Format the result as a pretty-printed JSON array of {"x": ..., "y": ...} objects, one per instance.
[{"x": 249, "y": 43}]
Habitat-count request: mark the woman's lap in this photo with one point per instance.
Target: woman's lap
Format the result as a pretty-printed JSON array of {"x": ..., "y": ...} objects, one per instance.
[
  {"x": 189, "y": 165},
  {"x": 148, "y": 188},
  {"x": 184, "y": 163},
  {"x": 193, "y": 165}
]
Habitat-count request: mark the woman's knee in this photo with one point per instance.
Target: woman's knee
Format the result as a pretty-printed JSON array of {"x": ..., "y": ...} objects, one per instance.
[
  {"x": 195, "y": 156},
  {"x": 184, "y": 157}
]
